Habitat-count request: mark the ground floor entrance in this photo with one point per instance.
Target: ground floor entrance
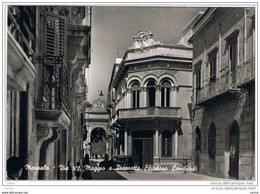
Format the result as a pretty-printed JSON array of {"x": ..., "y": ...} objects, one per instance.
[{"x": 142, "y": 148}]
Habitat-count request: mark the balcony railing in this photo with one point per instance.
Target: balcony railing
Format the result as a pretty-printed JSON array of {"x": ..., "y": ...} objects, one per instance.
[
  {"x": 21, "y": 24},
  {"x": 54, "y": 91},
  {"x": 147, "y": 112},
  {"x": 213, "y": 89},
  {"x": 246, "y": 72}
]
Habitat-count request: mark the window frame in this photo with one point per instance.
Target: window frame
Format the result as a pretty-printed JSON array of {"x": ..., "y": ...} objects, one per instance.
[
  {"x": 212, "y": 62},
  {"x": 135, "y": 95},
  {"x": 165, "y": 100},
  {"x": 149, "y": 87}
]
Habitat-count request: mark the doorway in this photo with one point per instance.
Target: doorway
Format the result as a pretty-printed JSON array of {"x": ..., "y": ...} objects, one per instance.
[
  {"x": 142, "y": 148},
  {"x": 234, "y": 150}
]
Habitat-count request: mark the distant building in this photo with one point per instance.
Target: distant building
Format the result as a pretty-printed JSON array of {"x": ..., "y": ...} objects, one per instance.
[
  {"x": 149, "y": 93},
  {"x": 223, "y": 100},
  {"x": 48, "y": 50},
  {"x": 97, "y": 134}
]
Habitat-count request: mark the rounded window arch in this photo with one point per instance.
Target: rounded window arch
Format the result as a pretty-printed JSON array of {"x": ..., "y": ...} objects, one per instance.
[
  {"x": 212, "y": 141},
  {"x": 165, "y": 93},
  {"x": 135, "y": 87},
  {"x": 151, "y": 88},
  {"x": 166, "y": 144}
]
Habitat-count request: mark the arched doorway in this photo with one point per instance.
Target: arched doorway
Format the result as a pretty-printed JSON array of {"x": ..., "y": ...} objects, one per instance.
[
  {"x": 98, "y": 143},
  {"x": 234, "y": 150},
  {"x": 197, "y": 147},
  {"x": 142, "y": 148}
]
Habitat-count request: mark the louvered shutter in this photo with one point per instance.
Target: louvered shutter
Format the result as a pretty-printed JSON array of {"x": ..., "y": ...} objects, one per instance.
[
  {"x": 55, "y": 38},
  {"x": 54, "y": 73}
]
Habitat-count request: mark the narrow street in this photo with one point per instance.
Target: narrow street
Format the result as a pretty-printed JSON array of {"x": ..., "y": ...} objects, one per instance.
[{"x": 148, "y": 175}]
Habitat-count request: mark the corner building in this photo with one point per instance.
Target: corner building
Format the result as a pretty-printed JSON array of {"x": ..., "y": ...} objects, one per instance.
[
  {"x": 149, "y": 92},
  {"x": 223, "y": 100}
]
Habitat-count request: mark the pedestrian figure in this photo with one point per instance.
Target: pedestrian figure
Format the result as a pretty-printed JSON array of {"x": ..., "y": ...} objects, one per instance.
[
  {"x": 86, "y": 175},
  {"x": 78, "y": 170},
  {"x": 185, "y": 164},
  {"x": 14, "y": 168},
  {"x": 69, "y": 175}
]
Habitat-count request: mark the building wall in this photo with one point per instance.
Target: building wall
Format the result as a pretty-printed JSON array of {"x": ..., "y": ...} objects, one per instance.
[
  {"x": 227, "y": 109},
  {"x": 223, "y": 115},
  {"x": 26, "y": 129}
]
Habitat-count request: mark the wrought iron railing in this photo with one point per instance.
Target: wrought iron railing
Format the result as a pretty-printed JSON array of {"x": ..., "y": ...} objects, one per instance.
[
  {"x": 54, "y": 89},
  {"x": 21, "y": 25}
]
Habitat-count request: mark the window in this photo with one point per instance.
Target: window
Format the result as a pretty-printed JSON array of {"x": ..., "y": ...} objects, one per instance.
[
  {"x": 166, "y": 144},
  {"x": 232, "y": 40},
  {"x": 135, "y": 95},
  {"x": 151, "y": 93},
  {"x": 165, "y": 94},
  {"x": 233, "y": 57},
  {"x": 198, "y": 79},
  {"x": 213, "y": 64},
  {"x": 212, "y": 141}
]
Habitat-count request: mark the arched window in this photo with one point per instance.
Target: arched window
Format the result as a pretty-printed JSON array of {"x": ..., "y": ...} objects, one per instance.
[
  {"x": 198, "y": 139},
  {"x": 165, "y": 94},
  {"x": 166, "y": 144},
  {"x": 135, "y": 95},
  {"x": 212, "y": 141},
  {"x": 151, "y": 93}
]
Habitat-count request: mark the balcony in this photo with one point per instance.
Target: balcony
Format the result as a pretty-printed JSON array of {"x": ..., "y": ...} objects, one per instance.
[
  {"x": 20, "y": 53},
  {"x": 246, "y": 73},
  {"x": 52, "y": 105},
  {"x": 149, "y": 112},
  {"x": 221, "y": 86}
]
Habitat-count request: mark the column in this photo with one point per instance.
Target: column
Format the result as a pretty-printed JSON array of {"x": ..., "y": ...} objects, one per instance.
[
  {"x": 128, "y": 100},
  {"x": 125, "y": 142},
  {"x": 165, "y": 96},
  {"x": 173, "y": 145},
  {"x": 176, "y": 143},
  {"x": 144, "y": 91},
  {"x": 173, "y": 96},
  {"x": 156, "y": 142},
  {"x": 117, "y": 144},
  {"x": 157, "y": 96}
]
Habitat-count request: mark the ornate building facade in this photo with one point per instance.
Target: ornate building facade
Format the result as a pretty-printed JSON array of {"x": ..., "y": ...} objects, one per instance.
[
  {"x": 223, "y": 100},
  {"x": 48, "y": 50},
  {"x": 149, "y": 92}
]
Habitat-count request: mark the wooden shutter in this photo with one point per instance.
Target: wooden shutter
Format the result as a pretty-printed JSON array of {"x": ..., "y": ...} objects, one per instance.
[{"x": 55, "y": 37}]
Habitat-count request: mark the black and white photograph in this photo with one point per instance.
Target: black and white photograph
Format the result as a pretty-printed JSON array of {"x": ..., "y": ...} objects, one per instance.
[{"x": 129, "y": 94}]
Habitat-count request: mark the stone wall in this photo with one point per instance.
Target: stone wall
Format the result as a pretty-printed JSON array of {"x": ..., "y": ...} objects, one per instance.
[{"x": 223, "y": 115}]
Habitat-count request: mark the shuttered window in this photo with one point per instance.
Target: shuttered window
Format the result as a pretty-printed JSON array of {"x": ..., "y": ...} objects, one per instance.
[
  {"x": 55, "y": 38},
  {"x": 55, "y": 70}
]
